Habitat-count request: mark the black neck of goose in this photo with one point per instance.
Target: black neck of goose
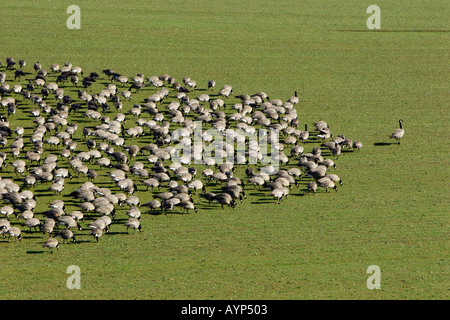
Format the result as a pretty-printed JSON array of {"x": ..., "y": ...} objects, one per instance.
[{"x": 401, "y": 126}]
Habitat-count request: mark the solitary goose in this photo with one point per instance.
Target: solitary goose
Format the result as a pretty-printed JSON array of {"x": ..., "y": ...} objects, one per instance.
[{"x": 398, "y": 134}]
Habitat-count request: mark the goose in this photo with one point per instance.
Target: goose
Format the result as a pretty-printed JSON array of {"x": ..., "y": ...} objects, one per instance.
[
  {"x": 225, "y": 199},
  {"x": 326, "y": 183},
  {"x": 4, "y": 226},
  {"x": 357, "y": 145},
  {"x": 134, "y": 212},
  {"x": 7, "y": 211},
  {"x": 107, "y": 222},
  {"x": 211, "y": 84},
  {"x": 134, "y": 224},
  {"x": 328, "y": 163},
  {"x": 398, "y": 133},
  {"x": 209, "y": 196},
  {"x": 27, "y": 214},
  {"x": 152, "y": 205},
  {"x": 324, "y": 133},
  {"x": 336, "y": 150},
  {"x": 187, "y": 205},
  {"x": 96, "y": 233},
  {"x": 335, "y": 178},
  {"x": 235, "y": 192},
  {"x": 312, "y": 186},
  {"x": 77, "y": 215},
  {"x": 68, "y": 222},
  {"x": 51, "y": 243},
  {"x": 32, "y": 223},
  {"x": 48, "y": 226},
  {"x": 294, "y": 100},
  {"x": 304, "y": 135},
  {"x": 278, "y": 194},
  {"x": 12, "y": 232}
]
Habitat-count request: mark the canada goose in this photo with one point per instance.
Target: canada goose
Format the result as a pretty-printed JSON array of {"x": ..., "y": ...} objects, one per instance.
[
  {"x": 12, "y": 232},
  {"x": 96, "y": 233},
  {"x": 187, "y": 205},
  {"x": 152, "y": 205},
  {"x": 312, "y": 186},
  {"x": 211, "y": 84},
  {"x": 32, "y": 223},
  {"x": 37, "y": 66},
  {"x": 278, "y": 194},
  {"x": 336, "y": 150},
  {"x": 77, "y": 215},
  {"x": 48, "y": 226},
  {"x": 334, "y": 178},
  {"x": 257, "y": 181},
  {"x": 51, "y": 243},
  {"x": 326, "y": 183},
  {"x": 7, "y": 211},
  {"x": 68, "y": 222},
  {"x": 22, "y": 63},
  {"x": 134, "y": 224},
  {"x": 27, "y": 214},
  {"x": 398, "y": 133},
  {"x": 4, "y": 226},
  {"x": 107, "y": 222},
  {"x": 324, "y": 133},
  {"x": 357, "y": 145},
  {"x": 10, "y": 63},
  {"x": 304, "y": 135},
  {"x": 225, "y": 199},
  {"x": 328, "y": 163},
  {"x": 134, "y": 212},
  {"x": 209, "y": 196}
]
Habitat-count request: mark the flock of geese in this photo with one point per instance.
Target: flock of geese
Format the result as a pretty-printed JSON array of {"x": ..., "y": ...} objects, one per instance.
[{"x": 113, "y": 133}]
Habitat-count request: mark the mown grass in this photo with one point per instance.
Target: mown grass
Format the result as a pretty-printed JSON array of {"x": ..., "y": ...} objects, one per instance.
[{"x": 392, "y": 210}]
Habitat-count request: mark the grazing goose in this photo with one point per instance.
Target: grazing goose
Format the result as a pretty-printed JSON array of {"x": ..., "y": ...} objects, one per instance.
[
  {"x": 32, "y": 223},
  {"x": 335, "y": 178},
  {"x": 357, "y": 145},
  {"x": 326, "y": 183},
  {"x": 12, "y": 232},
  {"x": 51, "y": 243},
  {"x": 96, "y": 233},
  {"x": 225, "y": 199},
  {"x": 312, "y": 186},
  {"x": 134, "y": 224},
  {"x": 398, "y": 133},
  {"x": 66, "y": 234}
]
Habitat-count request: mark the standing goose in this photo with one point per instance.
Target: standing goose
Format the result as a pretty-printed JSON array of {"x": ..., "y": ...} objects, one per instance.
[
  {"x": 304, "y": 135},
  {"x": 398, "y": 134}
]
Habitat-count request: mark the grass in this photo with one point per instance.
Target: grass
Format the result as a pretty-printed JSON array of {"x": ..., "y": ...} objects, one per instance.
[{"x": 392, "y": 210}]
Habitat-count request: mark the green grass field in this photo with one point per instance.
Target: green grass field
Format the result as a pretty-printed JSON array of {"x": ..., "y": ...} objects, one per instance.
[{"x": 392, "y": 210}]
